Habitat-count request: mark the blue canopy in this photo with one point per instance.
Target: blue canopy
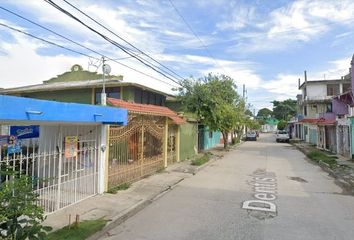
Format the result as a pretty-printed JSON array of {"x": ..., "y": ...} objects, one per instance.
[{"x": 29, "y": 109}]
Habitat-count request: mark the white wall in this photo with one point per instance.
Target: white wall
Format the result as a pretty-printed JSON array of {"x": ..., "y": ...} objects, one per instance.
[{"x": 316, "y": 91}]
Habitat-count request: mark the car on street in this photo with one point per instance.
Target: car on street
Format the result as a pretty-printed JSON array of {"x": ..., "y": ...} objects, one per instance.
[
  {"x": 251, "y": 136},
  {"x": 282, "y": 136}
]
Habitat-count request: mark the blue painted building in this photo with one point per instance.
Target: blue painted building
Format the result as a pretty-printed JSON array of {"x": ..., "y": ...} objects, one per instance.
[
  {"x": 60, "y": 146},
  {"x": 207, "y": 139}
]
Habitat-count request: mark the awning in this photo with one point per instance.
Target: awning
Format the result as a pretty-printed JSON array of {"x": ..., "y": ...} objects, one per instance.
[
  {"x": 318, "y": 121},
  {"x": 21, "y": 109},
  {"x": 146, "y": 109}
]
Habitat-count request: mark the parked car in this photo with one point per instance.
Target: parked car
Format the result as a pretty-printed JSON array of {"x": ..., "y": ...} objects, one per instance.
[
  {"x": 251, "y": 136},
  {"x": 282, "y": 136}
]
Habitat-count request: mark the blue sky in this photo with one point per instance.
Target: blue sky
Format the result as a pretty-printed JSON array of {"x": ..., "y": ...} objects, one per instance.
[{"x": 265, "y": 45}]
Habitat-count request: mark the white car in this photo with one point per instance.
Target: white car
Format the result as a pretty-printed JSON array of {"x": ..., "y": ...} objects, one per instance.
[
  {"x": 282, "y": 136},
  {"x": 251, "y": 136}
]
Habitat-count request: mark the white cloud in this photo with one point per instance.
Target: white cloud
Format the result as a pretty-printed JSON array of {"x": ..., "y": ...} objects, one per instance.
[
  {"x": 22, "y": 65},
  {"x": 240, "y": 17},
  {"x": 284, "y": 86},
  {"x": 299, "y": 21},
  {"x": 337, "y": 69}
]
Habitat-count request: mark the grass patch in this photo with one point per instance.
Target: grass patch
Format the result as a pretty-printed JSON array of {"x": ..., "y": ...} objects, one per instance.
[
  {"x": 201, "y": 160},
  {"x": 121, "y": 187},
  {"x": 322, "y": 156},
  {"x": 83, "y": 231}
]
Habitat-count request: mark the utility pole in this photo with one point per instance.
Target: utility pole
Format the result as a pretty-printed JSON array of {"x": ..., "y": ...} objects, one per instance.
[
  {"x": 106, "y": 69},
  {"x": 103, "y": 94}
]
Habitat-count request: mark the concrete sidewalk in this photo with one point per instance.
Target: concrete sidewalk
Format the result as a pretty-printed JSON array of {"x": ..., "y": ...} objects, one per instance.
[
  {"x": 116, "y": 208},
  {"x": 343, "y": 172}
]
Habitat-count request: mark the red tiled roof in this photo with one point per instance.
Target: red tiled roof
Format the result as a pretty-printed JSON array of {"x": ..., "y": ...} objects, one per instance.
[
  {"x": 147, "y": 109},
  {"x": 318, "y": 121},
  {"x": 309, "y": 120}
]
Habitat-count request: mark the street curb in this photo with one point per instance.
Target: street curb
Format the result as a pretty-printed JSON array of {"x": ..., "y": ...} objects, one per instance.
[
  {"x": 347, "y": 186},
  {"x": 130, "y": 212},
  {"x": 215, "y": 158}
]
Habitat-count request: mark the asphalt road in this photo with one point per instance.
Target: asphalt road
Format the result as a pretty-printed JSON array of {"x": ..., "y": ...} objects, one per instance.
[{"x": 309, "y": 205}]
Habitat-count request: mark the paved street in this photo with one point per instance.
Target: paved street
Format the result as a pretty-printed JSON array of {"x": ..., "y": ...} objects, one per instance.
[{"x": 309, "y": 205}]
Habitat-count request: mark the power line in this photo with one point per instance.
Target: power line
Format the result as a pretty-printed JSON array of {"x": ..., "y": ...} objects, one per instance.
[
  {"x": 47, "y": 41},
  {"x": 195, "y": 34},
  {"x": 111, "y": 41},
  {"x": 121, "y": 38},
  {"x": 47, "y": 29},
  {"x": 71, "y": 50}
]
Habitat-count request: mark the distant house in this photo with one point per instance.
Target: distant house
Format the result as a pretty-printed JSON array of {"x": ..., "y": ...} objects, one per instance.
[
  {"x": 318, "y": 124},
  {"x": 271, "y": 125},
  {"x": 325, "y": 116},
  {"x": 205, "y": 139}
]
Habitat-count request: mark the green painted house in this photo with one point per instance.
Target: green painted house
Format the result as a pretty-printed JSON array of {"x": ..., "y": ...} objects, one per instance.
[{"x": 80, "y": 86}]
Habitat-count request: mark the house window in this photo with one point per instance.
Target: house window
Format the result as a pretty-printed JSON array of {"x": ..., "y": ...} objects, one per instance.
[
  {"x": 138, "y": 95},
  {"x": 145, "y": 97},
  {"x": 305, "y": 110},
  {"x": 346, "y": 87},
  {"x": 329, "y": 108},
  {"x": 112, "y": 92},
  {"x": 332, "y": 89}
]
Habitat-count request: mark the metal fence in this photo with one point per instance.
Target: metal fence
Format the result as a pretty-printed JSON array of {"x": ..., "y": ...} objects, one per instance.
[
  {"x": 59, "y": 179},
  {"x": 135, "y": 150}
]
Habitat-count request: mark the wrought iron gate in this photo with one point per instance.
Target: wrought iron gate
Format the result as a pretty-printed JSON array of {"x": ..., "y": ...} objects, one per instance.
[
  {"x": 60, "y": 179},
  {"x": 135, "y": 150}
]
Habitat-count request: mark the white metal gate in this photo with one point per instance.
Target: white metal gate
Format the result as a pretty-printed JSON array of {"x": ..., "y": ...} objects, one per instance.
[{"x": 59, "y": 178}]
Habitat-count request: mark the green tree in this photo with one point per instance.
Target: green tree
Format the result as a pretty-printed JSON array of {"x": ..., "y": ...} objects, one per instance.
[
  {"x": 264, "y": 113},
  {"x": 284, "y": 110},
  {"x": 20, "y": 216},
  {"x": 215, "y": 101},
  {"x": 282, "y": 124},
  {"x": 249, "y": 113}
]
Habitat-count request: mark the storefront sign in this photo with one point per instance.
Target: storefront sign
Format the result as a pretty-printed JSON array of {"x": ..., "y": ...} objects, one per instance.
[
  {"x": 23, "y": 132},
  {"x": 71, "y": 146}
]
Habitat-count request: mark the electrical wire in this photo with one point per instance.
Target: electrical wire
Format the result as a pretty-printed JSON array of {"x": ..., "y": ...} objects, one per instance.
[
  {"x": 196, "y": 35},
  {"x": 111, "y": 41},
  {"x": 121, "y": 38},
  {"x": 80, "y": 53},
  {"x": 46, "y": 41}
]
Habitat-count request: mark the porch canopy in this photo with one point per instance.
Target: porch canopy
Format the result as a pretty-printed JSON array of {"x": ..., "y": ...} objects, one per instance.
[
  {"x": 19, "y": 109},
  {"x": 147, "y": 109},
  {"x": 318, "y": 121}
]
